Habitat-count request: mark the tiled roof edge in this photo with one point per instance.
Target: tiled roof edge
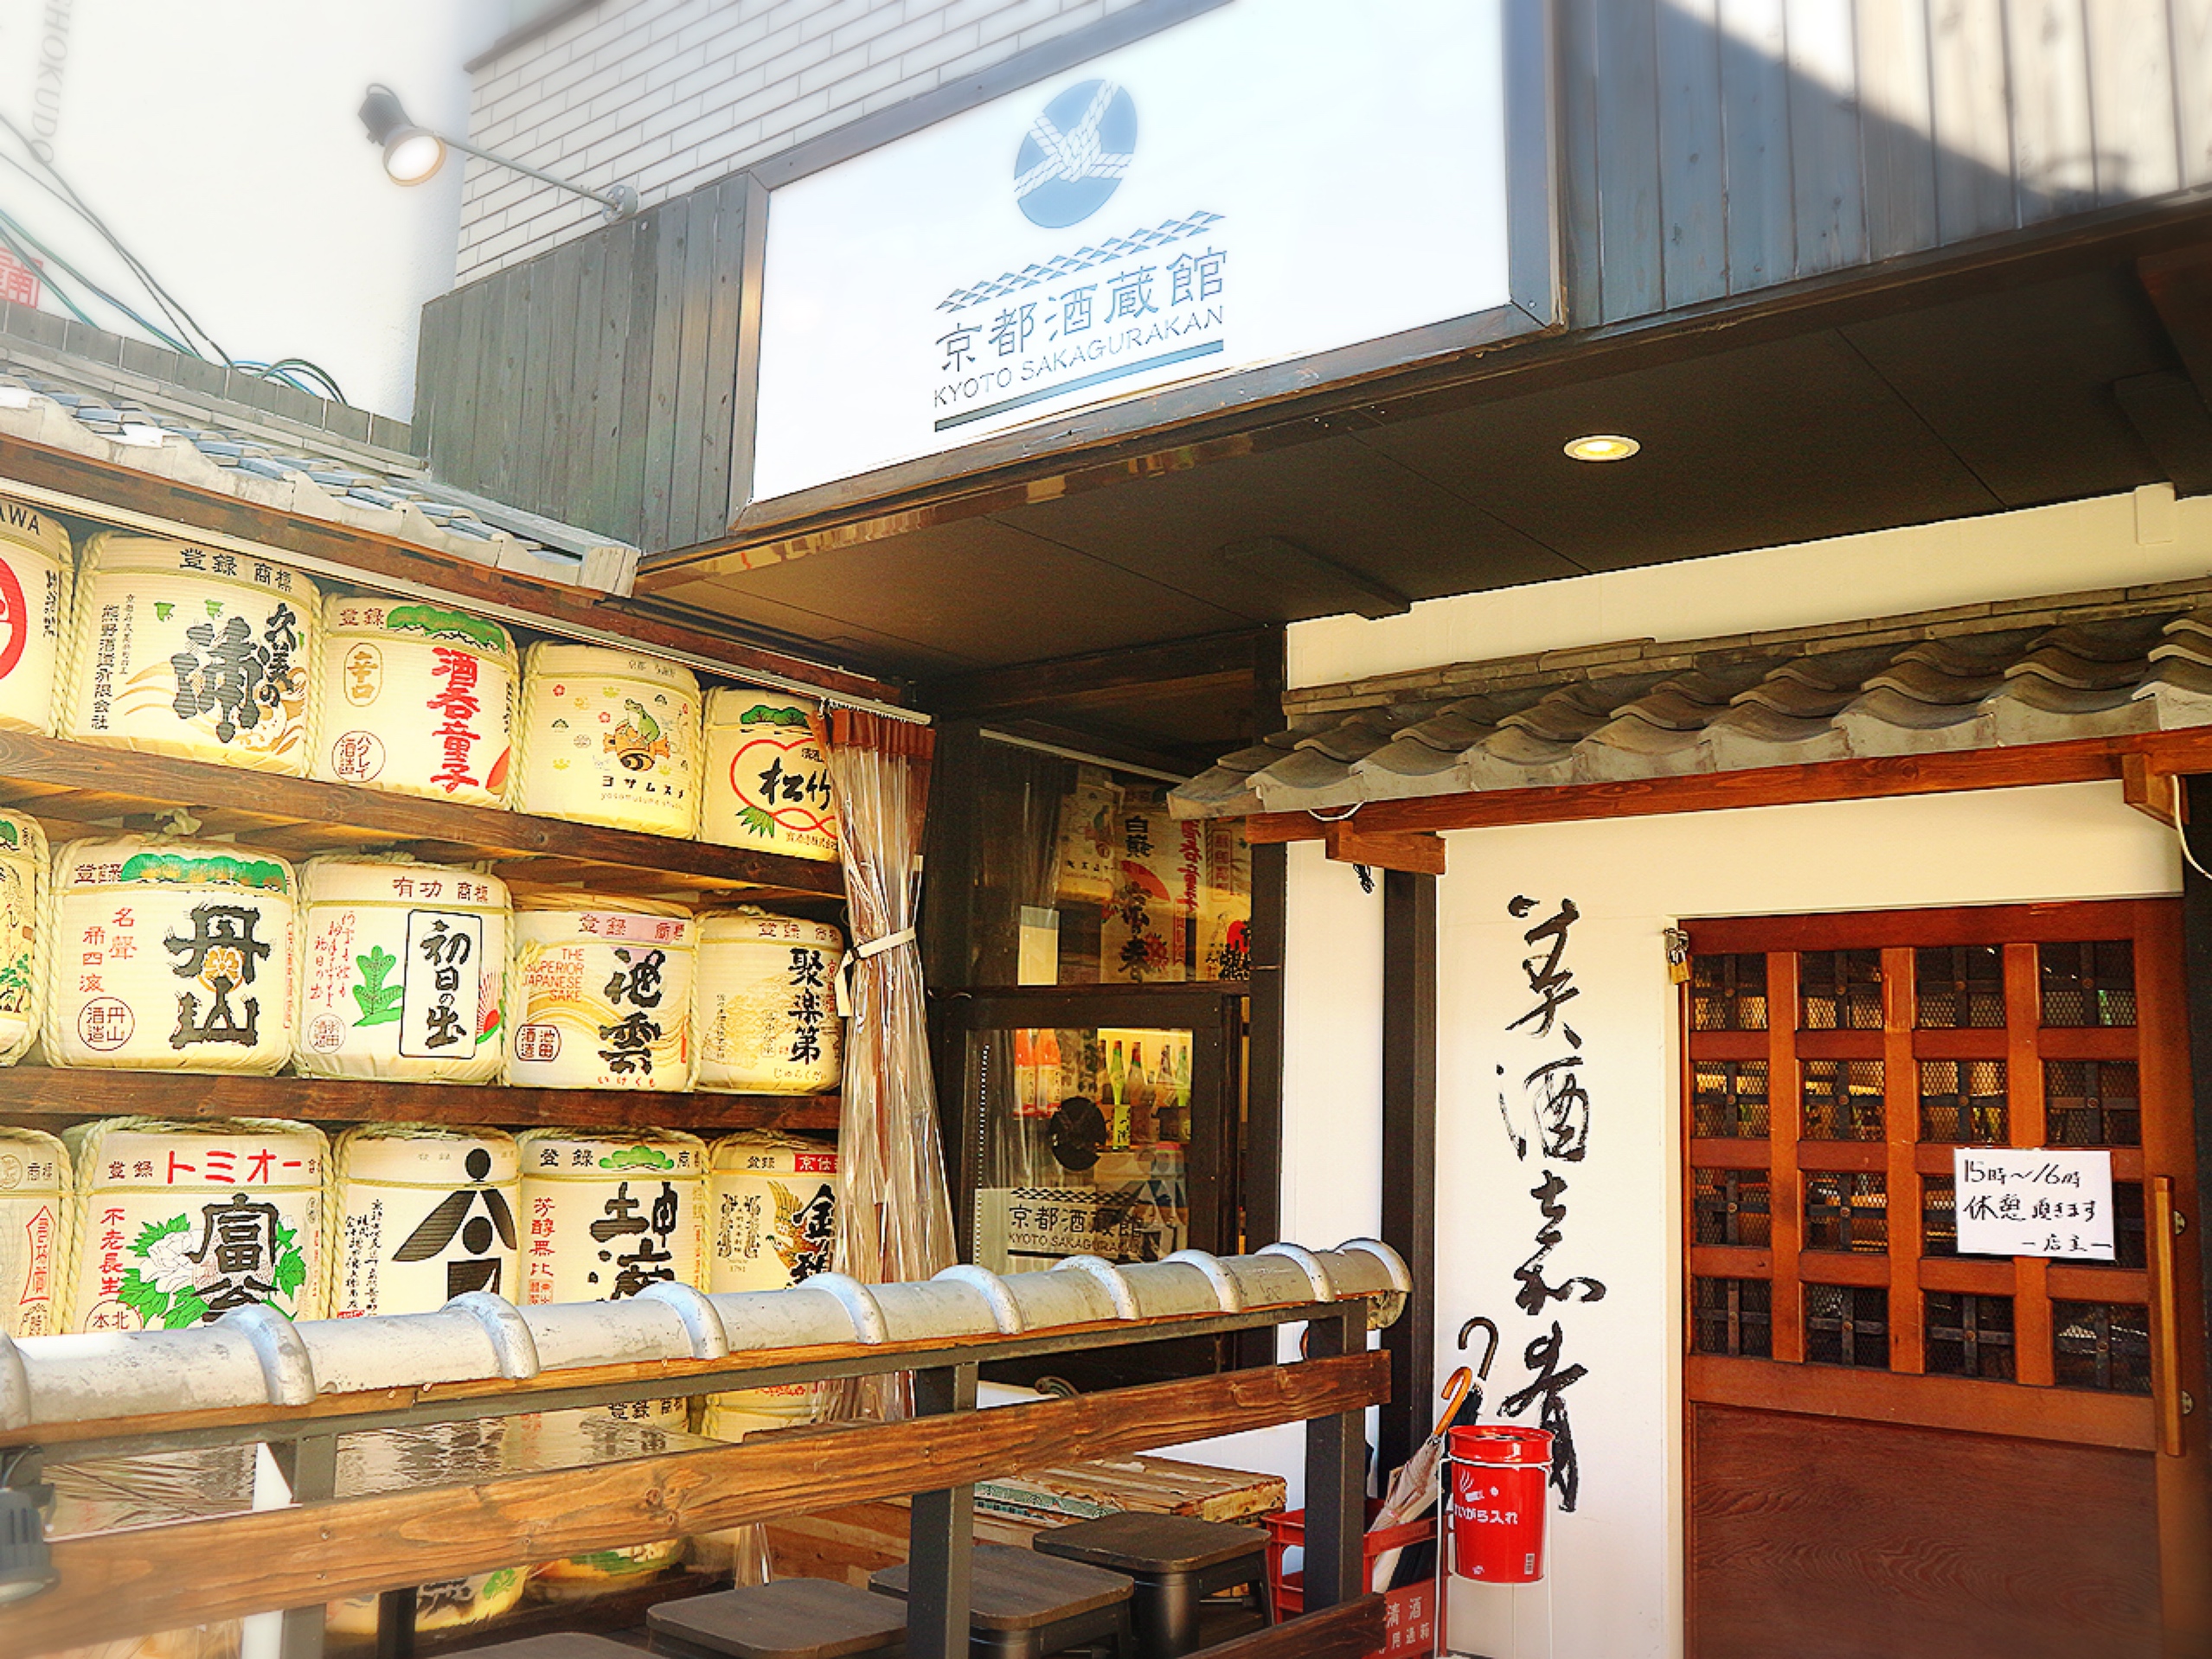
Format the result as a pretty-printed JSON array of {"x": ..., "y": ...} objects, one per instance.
[
  {"x": 148, "y": 370},
  {"x": 1565, "y": 665}
]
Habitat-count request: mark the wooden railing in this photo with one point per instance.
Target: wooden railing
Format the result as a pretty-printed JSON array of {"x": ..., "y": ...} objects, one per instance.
[{"x": 139, "y": 1580}]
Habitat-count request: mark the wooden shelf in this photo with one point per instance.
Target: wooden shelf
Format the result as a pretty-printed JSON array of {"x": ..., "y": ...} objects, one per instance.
[
  {"x": 36, "y": 1094},
  {"x": 74, "y": 788}
]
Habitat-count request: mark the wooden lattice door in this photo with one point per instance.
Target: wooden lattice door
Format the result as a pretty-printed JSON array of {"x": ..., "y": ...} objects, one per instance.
[{"x": 1894, "y": 1448}]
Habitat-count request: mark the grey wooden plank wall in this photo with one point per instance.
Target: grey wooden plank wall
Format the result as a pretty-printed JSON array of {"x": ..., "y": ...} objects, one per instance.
[
  {"x": 597, "y": 384},
  {"x": 1710, "y": 147}
]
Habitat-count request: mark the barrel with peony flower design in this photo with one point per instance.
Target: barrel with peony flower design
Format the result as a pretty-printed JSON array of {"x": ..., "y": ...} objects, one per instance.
[{"x": 175, "y": 1224}]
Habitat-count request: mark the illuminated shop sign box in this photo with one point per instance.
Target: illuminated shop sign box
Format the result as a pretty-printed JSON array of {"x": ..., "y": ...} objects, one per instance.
[{"x": 1268, "y": 181}]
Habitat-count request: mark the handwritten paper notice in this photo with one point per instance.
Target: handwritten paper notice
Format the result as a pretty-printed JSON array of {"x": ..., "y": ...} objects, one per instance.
[{"x": 2019, "y": 1201}]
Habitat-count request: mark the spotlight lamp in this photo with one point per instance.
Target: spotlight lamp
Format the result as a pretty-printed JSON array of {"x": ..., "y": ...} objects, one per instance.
[
  {"x": 413, "y": 154},
  {"x": 1601, "y": 446}
]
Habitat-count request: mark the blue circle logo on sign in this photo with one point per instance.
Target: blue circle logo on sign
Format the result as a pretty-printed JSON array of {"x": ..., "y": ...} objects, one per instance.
[{"x": 1074, "y": 154}]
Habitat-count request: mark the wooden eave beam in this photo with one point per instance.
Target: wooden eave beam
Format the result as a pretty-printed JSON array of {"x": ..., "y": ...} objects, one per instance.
[
  {"x": 1416, "y": 852},
  {"x": 382, "y": 559},
  {"x": 2152, "y": 755}
]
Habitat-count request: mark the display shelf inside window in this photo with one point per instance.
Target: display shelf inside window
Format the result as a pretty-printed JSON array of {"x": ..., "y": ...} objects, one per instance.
[
  {"x": 1093, "y": 1159},
  {"x": 1081, "y": 877}
]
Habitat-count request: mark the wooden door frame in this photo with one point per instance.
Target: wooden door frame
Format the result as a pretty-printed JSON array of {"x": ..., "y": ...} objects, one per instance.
[{"x": 2174, "y": 936}]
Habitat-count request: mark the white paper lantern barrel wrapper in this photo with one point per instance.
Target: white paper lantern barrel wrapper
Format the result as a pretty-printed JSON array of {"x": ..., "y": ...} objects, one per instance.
[
  {"x": 193, "y": 652},
  {"x": 35, "y": 582},
  {"x": 170, "y": 955},
  {"x": 175, "y": 1224},
  {"x": 23, "y": 864},
  {"x": 425, "y": 1213},
  {"x": 34, "y": 1205},
  {"x": 768, "y": 775},
  {"x": 601, "y": 993},
  {"x": 403, "y": 971},
  {"x": 416, "y": 699},
  {"x": 768, "y": 1022},
  {"x": 608, "y": 737}
]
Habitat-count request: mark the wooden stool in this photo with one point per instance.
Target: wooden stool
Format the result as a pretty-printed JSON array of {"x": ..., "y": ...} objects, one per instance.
[
  {"x": 1177, "y": 1562},
  {"x": 560, "y": 1645},
  {"x": 791, "y": 1618},
  {"x": 1023, "y": 1605}
]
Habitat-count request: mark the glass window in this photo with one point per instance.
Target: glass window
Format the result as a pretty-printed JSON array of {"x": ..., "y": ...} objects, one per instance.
[
  {"x": 1082, "y": 878},
  {"x": 1084, "y": 1146}
]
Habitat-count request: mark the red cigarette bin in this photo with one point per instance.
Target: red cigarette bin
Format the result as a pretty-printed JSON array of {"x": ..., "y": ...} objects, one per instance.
[{"x": 1498, "y": 1502}]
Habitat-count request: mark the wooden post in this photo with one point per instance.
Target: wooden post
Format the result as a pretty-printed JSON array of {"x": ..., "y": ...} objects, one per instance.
[
  {"x": 310, "y": 1465},
  {"x": 1409, "y": 1154},
  {"x": 2195, "y": 795},
  {"x": 1335, "y": 1483},
  {"x": 1261, "y": 1174},
  {"x": 943, "y": 1533}
]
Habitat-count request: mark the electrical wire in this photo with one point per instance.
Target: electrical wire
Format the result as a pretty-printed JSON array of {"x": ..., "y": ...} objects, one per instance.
[
  {"x": 183, "y": 345},
  {"x": 2181, "y": 835},
  {"x": 170, "y": 303},
  {"x": 24, "y": 258},
  {"x": 49, "y": 256}
]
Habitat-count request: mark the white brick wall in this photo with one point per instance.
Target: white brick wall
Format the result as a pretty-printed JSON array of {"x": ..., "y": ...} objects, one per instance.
[{"x": 666, "y": 95}]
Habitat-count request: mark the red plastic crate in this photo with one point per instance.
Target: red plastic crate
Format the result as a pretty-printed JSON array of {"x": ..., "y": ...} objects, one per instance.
[{"x": 1407, "y": 1613}]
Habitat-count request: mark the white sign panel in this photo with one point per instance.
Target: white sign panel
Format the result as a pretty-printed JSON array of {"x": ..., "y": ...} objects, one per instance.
[
  {"x": 2024, "y": 1202},
  {"x": 439, "y": 1004},
  {"x": 1259, "y": 183}
]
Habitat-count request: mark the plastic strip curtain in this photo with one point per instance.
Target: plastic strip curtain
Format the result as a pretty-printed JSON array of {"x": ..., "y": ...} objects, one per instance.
[{"x": 895, "y": 1221}]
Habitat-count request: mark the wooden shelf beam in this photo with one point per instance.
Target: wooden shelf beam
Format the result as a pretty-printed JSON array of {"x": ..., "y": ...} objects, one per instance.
[
  {"x": 71, "y": 785},
  {"x": 36, "y": 1094}
]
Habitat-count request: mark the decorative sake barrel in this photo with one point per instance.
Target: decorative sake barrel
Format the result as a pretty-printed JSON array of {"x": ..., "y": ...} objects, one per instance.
[
  {"x": 416, "y": 699},
  {"x": 773, "y": 1211},
  {"x": 424, "y": 1213},
  {"x": 402, "y": 972},
  {"x": 602, "y": 993},
  {"x": 771, "y": 1223},
  {"x": 22, "y": 909},
  {"x": 768, "y": 1019},
  {"x": 445, "y": 1605},
  {"x": 609, "y": 737},
  {"x": 768, "y": 775},
  {"x": 176, "y": 1224},
  {"x": 35, "y": 568},
  {"x": 192, "y": 651},
  {"x": 606, "y": 1215},
  {"x": 180, "y": 957},
  {"x": 33, "y": 1200}
]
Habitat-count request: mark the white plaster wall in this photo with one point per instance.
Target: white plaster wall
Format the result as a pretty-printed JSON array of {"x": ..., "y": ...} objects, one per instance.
[
  {"x": 1616, "y": 1560},
  {"x": 219, "y": 139},
  {"x": 2108, "y": 541}
]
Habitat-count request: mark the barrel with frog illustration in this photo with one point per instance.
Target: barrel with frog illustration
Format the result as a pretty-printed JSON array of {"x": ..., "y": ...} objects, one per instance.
[{"x": 609, "y": 737}]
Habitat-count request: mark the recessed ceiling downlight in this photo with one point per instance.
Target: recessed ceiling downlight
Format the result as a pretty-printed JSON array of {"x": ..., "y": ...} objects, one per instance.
[{"x": 1602, "y": 447}]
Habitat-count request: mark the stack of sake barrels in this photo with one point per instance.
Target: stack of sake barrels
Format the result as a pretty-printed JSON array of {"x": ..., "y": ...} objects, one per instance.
[{"x": 180, "y": 953}]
